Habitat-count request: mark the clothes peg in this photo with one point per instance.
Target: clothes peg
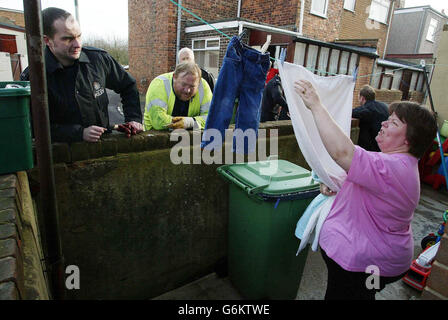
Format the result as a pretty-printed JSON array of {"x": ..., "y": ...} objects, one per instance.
[
  {"x": 241, "y": 35},
  {"x": 282, "y": 55},
  {"x": 266, "y": 44},
  {"x": 355, "y": 74}
]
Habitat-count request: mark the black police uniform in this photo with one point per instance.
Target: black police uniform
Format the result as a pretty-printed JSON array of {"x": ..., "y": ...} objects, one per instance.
[
  {"x": 77, "y": 95},
  {"x": 370, "y": 116},
  {"x": 272, "y": 98}
]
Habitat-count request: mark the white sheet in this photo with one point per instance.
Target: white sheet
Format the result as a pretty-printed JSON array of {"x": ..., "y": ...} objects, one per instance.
[{"x": 336, "y": 94}]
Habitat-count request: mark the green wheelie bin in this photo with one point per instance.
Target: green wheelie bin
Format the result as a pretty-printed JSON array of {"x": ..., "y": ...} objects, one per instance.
[
  {"x": 15, "y": 127},
  {"x": 266, "y": 199}
]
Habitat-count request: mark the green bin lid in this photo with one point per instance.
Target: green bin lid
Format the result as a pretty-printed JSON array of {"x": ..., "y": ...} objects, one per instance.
[
  {"x": 287, "y": 178},
  {"x": 23, "y": 89}
]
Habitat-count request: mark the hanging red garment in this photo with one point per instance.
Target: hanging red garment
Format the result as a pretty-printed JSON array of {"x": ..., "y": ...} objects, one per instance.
[{"x": 271, "y": 74}]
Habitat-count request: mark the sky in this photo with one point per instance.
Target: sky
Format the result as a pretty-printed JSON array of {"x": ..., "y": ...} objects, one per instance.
[
  {"x": 109, "y": 18},
  {"x": 435, "y": 4}
]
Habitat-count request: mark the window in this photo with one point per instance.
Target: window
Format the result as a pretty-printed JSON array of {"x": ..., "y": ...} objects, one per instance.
[
  {"x": 206, "y": 54},
  {"x": 319, "y": 7},
  {"x": 379, "y": 10},
  {"x": 430, "y": 36},
  {"x": 349, "y": 5}
]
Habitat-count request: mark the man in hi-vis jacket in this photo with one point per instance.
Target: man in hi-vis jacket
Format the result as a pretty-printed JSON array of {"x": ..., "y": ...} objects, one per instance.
[{"x": 178, "y": 100}]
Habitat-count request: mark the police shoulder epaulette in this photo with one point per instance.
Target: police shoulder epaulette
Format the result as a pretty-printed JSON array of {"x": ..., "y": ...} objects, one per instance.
[{"x": 93, "y": 49}]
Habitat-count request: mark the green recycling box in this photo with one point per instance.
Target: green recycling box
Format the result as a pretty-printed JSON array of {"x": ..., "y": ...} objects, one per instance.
[
  {"x": 15, "y": 129},
  {"x": 266, "y": 199}
]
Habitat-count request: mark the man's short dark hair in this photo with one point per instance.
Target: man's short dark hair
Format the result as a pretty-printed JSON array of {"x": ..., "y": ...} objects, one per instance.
[
  {"x": 367, "y": 92},
  {"x": 49, "y": 16},
  {"x": 421, "y": 125}
]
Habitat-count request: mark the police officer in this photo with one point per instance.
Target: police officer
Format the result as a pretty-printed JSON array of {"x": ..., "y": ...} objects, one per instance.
[
  {"x": 371, "y": 114},
  {"x": 273, "y": 105},
  {"x": 77, "y": 78}
]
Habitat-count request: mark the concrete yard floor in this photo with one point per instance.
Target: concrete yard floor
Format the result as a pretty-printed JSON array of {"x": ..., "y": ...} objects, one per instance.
[{"x": 427, "y": 219}]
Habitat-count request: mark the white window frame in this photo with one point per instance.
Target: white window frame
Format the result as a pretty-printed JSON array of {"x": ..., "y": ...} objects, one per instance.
[
  {"x": 350, "y": 5},
  {"x": 206, "y": 42},
  {"x": 208, "y": 48},
  {"x": 432, "y": 29},
  {"x": 379, "y": 3},
  {"x": 317, "y": 13}
]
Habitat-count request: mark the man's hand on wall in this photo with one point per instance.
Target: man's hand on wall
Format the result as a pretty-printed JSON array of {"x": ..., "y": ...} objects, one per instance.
[
  {"x": 93, "y": 133},
  {"x": 181, "y": 123},
  {"x": 136, "y": 127}
]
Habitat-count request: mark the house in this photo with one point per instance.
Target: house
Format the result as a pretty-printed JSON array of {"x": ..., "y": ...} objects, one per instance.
[
  {"x": 13, "y": 50},
  {"x": 415, "y": 36},
  {"x": 327, "y": 37}
]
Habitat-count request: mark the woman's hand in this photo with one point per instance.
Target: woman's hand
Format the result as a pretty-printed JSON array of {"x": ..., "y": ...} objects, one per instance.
[
  {"x": 308, "y": 94},
  {"x": 326, "y": 191}
]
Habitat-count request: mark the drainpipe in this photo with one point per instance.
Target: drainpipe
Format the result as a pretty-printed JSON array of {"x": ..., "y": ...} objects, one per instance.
[
  {"x": 238, "y": 14},
  {"x": 179, "y": 25},
  {"x": 388, "y": 28},
  {"x": 39, "y": 103},
  {"x": 302, "y": 11},
  {"x": 77, "y": 12}
]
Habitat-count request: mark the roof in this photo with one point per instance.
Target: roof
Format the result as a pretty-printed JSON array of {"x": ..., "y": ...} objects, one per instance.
[
  {"x": 11, "y": 26},
  {"x": 364, "y": 51},
  {"x": 396, "y": 65},
  {"x": 11, "y": 10},
  {"x": 419, "y": 8}
]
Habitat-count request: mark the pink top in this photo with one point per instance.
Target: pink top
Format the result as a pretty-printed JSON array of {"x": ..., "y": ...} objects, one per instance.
[{"x": 370, "y": 220}]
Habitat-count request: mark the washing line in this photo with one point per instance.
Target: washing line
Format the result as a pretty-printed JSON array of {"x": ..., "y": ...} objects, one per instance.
[{"x": 308, "y": 68}]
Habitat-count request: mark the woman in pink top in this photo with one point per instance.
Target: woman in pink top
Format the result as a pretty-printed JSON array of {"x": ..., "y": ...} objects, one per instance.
[{"x": 366, "y": 240}]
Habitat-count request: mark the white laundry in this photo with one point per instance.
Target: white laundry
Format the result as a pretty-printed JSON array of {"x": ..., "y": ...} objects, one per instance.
[{"x": 336, "y": 94}]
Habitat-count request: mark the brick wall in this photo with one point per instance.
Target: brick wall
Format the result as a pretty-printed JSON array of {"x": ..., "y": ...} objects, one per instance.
[
  {"x": 365, "y": 27},
  {"x": 210, "y": 11},
  {"x": 416, "y": 96},
  {"x": 323, "y": 29},
  {"x": 21, "y": 271},
  {"x": 280, "y": 13},
  {"x": 388, "y": 96},
  {"x": 364, "y": 68},
  {"x": 152, "y": 40},
  {"x": 437, "y": 284},
  {"x": 16, "y": 17}
]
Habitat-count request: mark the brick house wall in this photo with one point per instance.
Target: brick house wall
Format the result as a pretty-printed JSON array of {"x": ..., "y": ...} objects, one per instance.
[
  {"x": 364, "y": 68},
  {"x": 323, "y": 29},
  {"x": 210, "y": 11},
  {"x": 152, "y": 40},
  {"x": 279, "y": 13},
  {"x": 366, "y": 28},
  {"x": 16, "y": 17}
]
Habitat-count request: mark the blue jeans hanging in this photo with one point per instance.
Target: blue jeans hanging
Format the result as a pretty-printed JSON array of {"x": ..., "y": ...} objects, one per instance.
[{"x": 242, "y": 75}]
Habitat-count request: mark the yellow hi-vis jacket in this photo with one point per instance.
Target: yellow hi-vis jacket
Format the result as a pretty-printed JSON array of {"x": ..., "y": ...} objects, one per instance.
[{"x": 160, "y": 99}]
